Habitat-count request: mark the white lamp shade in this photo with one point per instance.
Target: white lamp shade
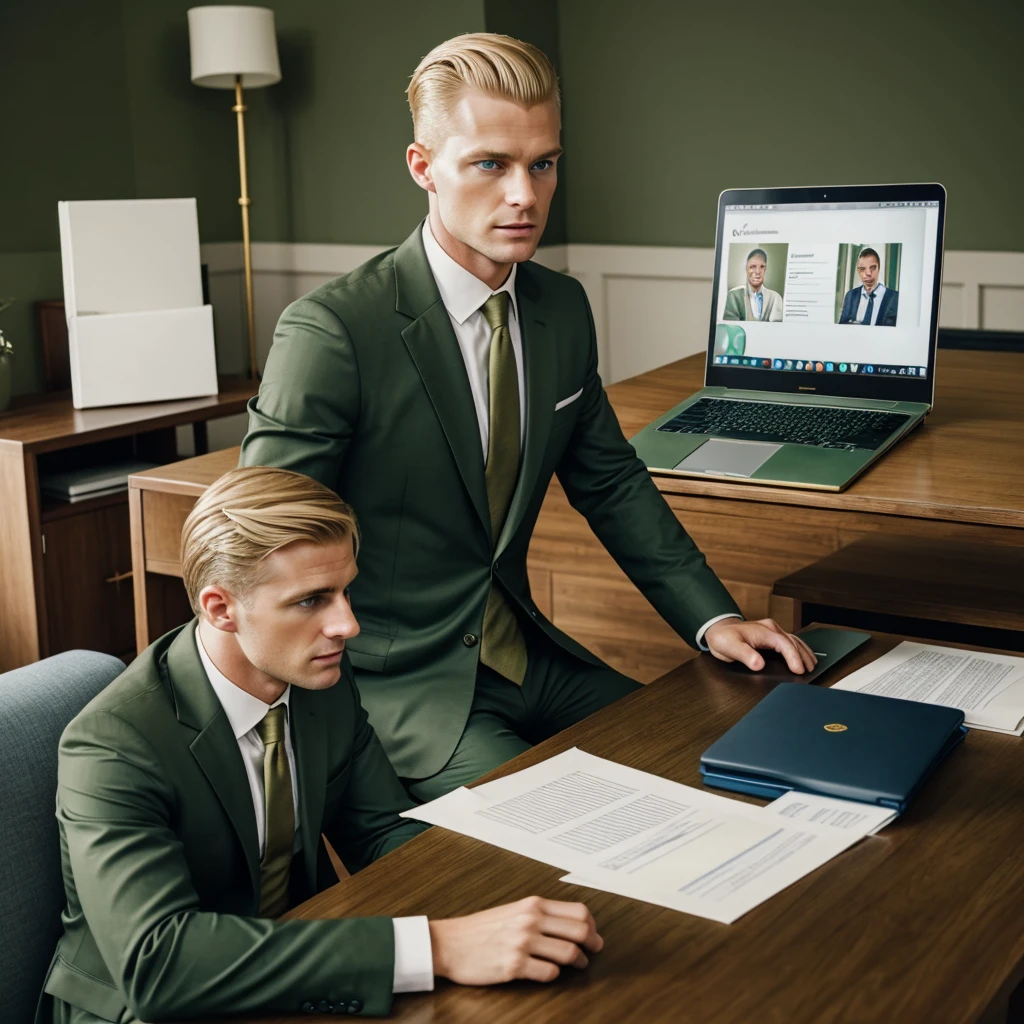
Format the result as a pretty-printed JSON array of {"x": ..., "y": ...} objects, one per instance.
[{"x": 229, "y": 41}]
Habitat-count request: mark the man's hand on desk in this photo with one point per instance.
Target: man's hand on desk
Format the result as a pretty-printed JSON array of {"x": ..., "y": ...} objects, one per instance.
[
  {"x": 532, "y": 939},
  {"x": 738, "y": 640}
]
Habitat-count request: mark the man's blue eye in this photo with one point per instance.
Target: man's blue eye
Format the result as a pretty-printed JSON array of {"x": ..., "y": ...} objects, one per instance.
[
  {"x": 542, "y": 165},
  {"x": 309, "y": 602},
  {"x": 488, "y": 165}
]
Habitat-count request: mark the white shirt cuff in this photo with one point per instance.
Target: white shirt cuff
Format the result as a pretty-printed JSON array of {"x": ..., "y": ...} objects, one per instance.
[
  {"x": 414, "y": 956},
  {"x": 707, "y": 625}
]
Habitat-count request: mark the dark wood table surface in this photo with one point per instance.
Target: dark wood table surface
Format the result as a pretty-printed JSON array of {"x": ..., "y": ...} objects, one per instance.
[{"x": 924, "y": 923}]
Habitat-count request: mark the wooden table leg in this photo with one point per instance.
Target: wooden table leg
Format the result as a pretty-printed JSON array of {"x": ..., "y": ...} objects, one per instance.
[{"x": 138, "y": 569}]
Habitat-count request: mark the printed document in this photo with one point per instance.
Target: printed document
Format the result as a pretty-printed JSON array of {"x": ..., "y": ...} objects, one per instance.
[
  {"x": 638, "y": 835},
  {"x": 866, "y": 819},
  {"x": 988, "y": 688}
]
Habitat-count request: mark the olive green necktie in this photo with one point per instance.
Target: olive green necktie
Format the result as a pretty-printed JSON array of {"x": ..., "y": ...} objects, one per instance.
[
  {"x": 503, "y": 647},
  {"x": 280, "y": 808}
]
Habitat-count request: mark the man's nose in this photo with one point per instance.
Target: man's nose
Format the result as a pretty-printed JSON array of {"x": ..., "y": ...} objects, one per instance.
[
  {"x": 519, "y": 192},
  {"x": 342, "y": 622}
]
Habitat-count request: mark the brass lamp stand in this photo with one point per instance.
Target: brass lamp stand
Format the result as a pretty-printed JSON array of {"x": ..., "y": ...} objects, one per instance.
[
  {"x": 230, "y": 47},
  {"x": 245, "y": 202}
]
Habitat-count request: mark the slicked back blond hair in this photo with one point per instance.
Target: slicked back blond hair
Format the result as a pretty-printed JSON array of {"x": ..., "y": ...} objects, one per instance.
[
  {"x": 496, "y": 65},
  {"x": 250, "y": 513}
]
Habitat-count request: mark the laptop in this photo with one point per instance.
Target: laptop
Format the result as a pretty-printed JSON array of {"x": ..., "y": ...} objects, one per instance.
[
  {"x": 821, "y": 350},
  {"x": 875, "y": 750}
]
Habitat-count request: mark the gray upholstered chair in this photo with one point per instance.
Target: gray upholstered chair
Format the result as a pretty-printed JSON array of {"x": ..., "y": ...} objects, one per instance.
[{"x": 36, "y": 702}]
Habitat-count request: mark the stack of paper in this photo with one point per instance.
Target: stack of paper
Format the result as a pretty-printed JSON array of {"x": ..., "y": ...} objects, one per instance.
[
  {"x": 137, "y": 327},
  {"x": 628, "y": 832},
  {"x": 988, "y": 688},
  {"x": 91, "y": 481}
]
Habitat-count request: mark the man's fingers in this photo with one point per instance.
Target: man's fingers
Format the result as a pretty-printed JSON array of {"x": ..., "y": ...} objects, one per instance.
[
  {"x": 736, "y": 647},
  {"x": 810, "y": 659},
  {"x": 561, "y": 908},
  {"x": 558, "y": 951},
  {"x": 787, "y": 646},
  {"x": 534, "y": 969},
  {"x": 572, "y": 921}
]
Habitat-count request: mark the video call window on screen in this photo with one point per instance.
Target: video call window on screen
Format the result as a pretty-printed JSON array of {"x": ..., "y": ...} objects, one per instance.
[
  {"x": 866, "y": 292},
  {"x": 795, "y": 279}
]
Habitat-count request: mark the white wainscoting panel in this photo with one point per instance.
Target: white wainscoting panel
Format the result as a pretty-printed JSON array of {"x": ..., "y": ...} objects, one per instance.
[
  {"x": 651, "y": 304},
  {"x": 653, "y": 321},
  {"x": 1002, "y": 307}
]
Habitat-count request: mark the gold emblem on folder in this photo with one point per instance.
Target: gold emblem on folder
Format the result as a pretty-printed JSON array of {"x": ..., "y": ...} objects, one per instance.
[{"x": 835, "y": 727}]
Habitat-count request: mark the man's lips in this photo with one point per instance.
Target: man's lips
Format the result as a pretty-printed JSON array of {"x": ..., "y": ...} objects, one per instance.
[
  {"x": 519, "y": 229},
  {"x": 329, "y": 657}
]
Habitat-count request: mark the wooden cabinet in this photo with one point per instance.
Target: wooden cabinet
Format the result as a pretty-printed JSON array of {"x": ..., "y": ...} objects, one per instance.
[
  {"x": 65, "y": 569},
  {"x": 87, "y": 576}
]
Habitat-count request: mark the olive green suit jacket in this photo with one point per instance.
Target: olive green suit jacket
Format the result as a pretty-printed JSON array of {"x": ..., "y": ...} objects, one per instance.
[
  {"x": 365, "y": 390},
  {"x": 161, "y": 857}
]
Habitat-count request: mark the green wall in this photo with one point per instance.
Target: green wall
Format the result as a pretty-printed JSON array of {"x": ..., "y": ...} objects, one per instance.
[
  {"x": 669, "y": 103},
  {"x": 96, "y": 103},
  {"x": 664, "y": 105}
]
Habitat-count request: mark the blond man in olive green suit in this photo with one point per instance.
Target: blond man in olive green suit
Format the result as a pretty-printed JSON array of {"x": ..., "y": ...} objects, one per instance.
[
  {"x": 193, "y": 791},
  {"x": 393, "y": 386}
]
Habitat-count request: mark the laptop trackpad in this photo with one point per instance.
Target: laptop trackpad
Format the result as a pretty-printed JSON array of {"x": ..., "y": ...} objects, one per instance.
[{"x": 721, "y": 457}]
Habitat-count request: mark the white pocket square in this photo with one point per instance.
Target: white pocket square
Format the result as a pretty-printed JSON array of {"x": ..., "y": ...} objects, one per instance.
[{"x": 568, "y": 401}]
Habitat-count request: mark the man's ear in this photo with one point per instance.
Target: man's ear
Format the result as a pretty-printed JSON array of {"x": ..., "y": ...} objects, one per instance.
[
  {"x": 219, "y": 608},
  {"x": 418, "y": 157}
]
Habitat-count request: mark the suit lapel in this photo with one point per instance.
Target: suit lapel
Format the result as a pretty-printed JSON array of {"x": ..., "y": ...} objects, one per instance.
[
  {"x": 435, "y": 351},
  {"x": 309, "y": 739},
  {"x": 215, "y": 748},
  {"x": 540, "y": 373}
]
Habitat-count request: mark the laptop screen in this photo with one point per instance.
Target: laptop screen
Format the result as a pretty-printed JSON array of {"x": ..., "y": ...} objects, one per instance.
[{"x": 831, "y": 291}]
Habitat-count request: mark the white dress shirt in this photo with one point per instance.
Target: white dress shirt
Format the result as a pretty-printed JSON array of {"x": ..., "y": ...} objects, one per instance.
[
  {"x": 862, "y": 309},
  {"x": 756, "y": 301},
  {"x": 414, "y": 956},
  {"x": 463, "y": 294}
]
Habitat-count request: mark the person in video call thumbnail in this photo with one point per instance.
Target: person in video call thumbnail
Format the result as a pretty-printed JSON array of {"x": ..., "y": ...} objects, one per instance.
[
  {"x": 870, "y": 304},
  {"x": 753, "y": 301}
]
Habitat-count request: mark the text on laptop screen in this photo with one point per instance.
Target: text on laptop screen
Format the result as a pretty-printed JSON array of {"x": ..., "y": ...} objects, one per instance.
[{"x": 841, "y": 288}]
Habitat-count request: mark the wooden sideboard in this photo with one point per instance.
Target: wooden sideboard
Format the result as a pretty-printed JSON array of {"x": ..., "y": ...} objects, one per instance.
[{"x": 65, "y": 568}]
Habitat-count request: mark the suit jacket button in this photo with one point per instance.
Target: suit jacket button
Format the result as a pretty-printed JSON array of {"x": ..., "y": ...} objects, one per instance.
[
  {"x": 355, "y": 1006},
  {"x": 325, "y": 1007},
  {"x": 308, "y": 1007},
  {"x": 470, "y": 640}
]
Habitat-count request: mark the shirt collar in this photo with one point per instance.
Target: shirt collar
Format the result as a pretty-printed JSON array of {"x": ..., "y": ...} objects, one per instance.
[
  {"x": 878, "y": 292},
  {"x": 462, "y": 293},
  {"x": 244, "y": 711},
  {"x": 754, "y": 294}
]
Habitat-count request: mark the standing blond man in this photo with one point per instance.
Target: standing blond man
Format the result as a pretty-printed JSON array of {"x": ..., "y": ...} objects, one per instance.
[
  {"x": 440, "y": 386},
  {"x": 193, "y": 791}
]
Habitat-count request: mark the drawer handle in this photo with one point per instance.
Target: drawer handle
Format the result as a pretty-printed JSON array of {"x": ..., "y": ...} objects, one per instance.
[{"x": 118, "y": 576}]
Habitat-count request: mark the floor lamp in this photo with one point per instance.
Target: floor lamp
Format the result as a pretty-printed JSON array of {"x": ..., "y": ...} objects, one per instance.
[{"x": 236, "y": 48}]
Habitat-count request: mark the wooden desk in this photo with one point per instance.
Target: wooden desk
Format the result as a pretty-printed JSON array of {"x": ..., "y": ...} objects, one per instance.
[
  {"x": 920, "y": 924},
  {"x": 63, "y": 567},
  {"x": 960, "y": 477}
]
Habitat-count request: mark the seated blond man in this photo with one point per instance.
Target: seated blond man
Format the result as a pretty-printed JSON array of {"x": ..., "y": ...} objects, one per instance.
[{"x": 193, "y": 792}]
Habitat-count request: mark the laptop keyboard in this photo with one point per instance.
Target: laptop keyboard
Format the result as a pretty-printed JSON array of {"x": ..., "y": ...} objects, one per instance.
[{"x": 847, "y": 429}]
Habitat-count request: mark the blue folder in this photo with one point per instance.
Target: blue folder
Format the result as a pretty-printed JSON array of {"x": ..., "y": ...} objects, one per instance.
[{"x": 841, "y": 743}]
